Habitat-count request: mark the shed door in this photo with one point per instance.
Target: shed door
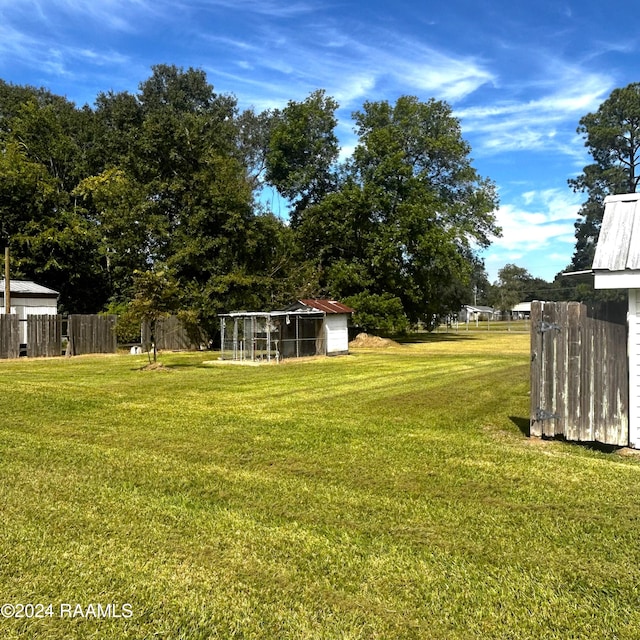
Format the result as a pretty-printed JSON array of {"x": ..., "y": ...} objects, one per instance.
[
  {"x": 336, "y": 333},
  {"x": 580, "y": 372}
]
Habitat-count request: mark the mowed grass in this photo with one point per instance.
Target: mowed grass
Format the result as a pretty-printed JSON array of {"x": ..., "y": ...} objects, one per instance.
[{"x": 387, "y": 494}]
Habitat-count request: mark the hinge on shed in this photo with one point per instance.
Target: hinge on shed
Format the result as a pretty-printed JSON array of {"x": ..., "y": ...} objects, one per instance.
[
  {"x": 543, "y": 414},
  {"x": 543, "y": 327}
]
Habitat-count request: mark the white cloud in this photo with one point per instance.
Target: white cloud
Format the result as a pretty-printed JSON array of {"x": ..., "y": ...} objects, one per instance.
[
  {"x": 546, "y": 123},
  {"x": 541, "y": 218}
]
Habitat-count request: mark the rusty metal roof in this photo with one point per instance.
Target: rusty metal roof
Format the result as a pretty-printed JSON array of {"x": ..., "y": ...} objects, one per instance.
[
  {"x": 618, "y": 247},
  {"x": 327, "y": 306}
]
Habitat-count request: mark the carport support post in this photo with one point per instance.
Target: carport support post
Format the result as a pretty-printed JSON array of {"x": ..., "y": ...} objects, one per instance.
[
  {"x": 222, "y": 328},
  {"x": 7, "y": 283}
]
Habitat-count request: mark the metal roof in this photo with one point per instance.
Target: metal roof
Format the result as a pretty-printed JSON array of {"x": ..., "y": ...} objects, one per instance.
[
  {"x": 618, "y": 247},
  {"x": 307, "y": 307},
  {"x": 327, "y": 306},
  {"x": 478, "y": 308},
  {"x": 27, "y": 287}
]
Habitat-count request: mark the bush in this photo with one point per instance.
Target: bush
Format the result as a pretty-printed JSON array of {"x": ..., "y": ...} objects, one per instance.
[{"x": 378, "y": 313}]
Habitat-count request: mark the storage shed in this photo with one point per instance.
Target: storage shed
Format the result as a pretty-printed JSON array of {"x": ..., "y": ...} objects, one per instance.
[
  {"x": 29, "y": 299},
  {"x": 616, "y": 265},
  {"x": 307, "y": 327}
]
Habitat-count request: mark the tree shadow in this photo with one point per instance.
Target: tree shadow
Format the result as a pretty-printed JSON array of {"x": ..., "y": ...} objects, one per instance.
[{"x": 426, "y": 338}]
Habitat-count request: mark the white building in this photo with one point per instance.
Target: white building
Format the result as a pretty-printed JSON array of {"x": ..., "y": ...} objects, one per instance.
[
  {"x": 335, "y": 318},
  {"x": 616, "y": 265},
  {"x": 29, "y": 299}
]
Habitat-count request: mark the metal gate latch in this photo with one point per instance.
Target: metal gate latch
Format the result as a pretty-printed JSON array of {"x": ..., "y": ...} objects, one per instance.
[
  {"x": 543, "y": 327},
  {"x": 543, "y": 414}
]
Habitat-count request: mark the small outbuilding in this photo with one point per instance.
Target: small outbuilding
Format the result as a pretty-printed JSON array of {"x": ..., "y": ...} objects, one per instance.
[
  {"x": 522, "y": 311},
  {"x": 474, "y": 313},
  {"x": 29, "y": 299},
  {"x": 307, "y": 327},
  {"x": 616, "y": 265}
]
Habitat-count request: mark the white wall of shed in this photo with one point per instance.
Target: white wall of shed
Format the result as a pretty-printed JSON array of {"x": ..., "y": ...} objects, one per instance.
[
  {"x": 24, "y": 307},
  {"x": 336, "y": 333},
  {"x": 634, "y": 368}
]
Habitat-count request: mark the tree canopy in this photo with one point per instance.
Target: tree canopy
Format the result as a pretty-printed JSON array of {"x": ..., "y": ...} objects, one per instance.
[
  {"x": 612, "y": 137},
  {"x": 171, "y": 177}
]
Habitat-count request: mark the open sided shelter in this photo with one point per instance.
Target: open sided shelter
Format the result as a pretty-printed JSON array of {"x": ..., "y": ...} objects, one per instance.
[{"x": 305, "y": 328}]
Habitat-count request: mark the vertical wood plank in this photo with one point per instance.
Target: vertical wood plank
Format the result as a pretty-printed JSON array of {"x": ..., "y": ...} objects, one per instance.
[
  {"x": 559, "y": 336},
  {"x": 549, "y": 382},
  {"x": 536, "y": 369},
  {"x": 574, "y": 369}
]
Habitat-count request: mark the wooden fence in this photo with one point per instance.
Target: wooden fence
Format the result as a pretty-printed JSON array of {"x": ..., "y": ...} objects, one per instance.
[
  {"x": 92, "y": 334},
  {"x": 9, "y": 336},
  {"x": 170, "y": 335},
  {"x": 85, "y": 333},
  {"x": 44, "y": 336},
  {"x": 579, "y": 372}
]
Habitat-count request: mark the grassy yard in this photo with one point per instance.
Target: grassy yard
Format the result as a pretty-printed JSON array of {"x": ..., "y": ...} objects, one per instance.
[{"x": 387, "y": 494}]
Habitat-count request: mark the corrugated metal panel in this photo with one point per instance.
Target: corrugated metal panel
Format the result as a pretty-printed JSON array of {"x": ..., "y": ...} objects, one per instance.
[
  {"x": 27, "y": 286},
  {"x": 328, "y": 306},
  {"x": 618, "y": 247}
]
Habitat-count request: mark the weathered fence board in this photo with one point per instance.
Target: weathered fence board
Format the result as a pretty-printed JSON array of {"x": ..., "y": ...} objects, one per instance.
[
  {"x": 170, "y": 335},
  {"x": 9, "y": 336},
  {"x": 579, "y": 372},
  {"x": 92, "y": 334},
  {"x": 44, "y": 336}
]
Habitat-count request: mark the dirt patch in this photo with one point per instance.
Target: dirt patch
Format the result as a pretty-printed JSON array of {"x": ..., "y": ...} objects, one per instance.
[
  {"x": 156, "y": 366},
  {"x": 365, "y": 341},
  {"x": 628, "y": 452}
]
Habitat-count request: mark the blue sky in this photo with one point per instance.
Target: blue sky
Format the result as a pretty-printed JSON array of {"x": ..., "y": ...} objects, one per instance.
[{"x": 519, "y": 76}]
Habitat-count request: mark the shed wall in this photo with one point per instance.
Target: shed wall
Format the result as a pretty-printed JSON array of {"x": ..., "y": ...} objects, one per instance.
[
  {"x": 24, "y": 307},
  {"x": 336, "y": 334},
  {"x": 634, "y": 368}
]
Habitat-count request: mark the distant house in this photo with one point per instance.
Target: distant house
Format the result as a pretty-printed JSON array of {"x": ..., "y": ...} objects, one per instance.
[
  {"x": 521, "y": 311},
  {"x": 474, "y": 313},
  {"x": 616, "y": 265},
  {"x": 29, "y": 299},
  {"x": 307, "y": 327}
]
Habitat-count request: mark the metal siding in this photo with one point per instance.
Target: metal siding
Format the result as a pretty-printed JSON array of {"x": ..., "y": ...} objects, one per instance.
[
  {"x": 618, "y": 247},
  {"x": 28, "y": 287}
]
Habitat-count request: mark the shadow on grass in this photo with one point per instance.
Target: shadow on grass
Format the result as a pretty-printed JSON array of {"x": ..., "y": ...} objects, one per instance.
[
  {"x": 419, "y": 338},
  {"x": 523, "y": 424}
]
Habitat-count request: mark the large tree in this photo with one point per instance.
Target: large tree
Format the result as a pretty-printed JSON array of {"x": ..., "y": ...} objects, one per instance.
[
  {"x": 408, "y": 214},
  {"x": 612, "y": 136},
  {"x": 45, "y": 149},
  {"x": 302, "y": 151}
]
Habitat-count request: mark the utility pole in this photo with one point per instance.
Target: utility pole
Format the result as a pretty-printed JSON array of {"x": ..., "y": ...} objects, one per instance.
[{"x": 7, "y": 282}]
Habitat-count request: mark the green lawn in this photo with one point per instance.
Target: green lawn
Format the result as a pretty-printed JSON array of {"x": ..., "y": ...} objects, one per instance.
[{"x": 387, "y": 494}]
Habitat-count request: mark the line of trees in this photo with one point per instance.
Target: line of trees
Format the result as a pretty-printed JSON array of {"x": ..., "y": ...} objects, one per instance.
[{"x": 172, "y": 178}]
